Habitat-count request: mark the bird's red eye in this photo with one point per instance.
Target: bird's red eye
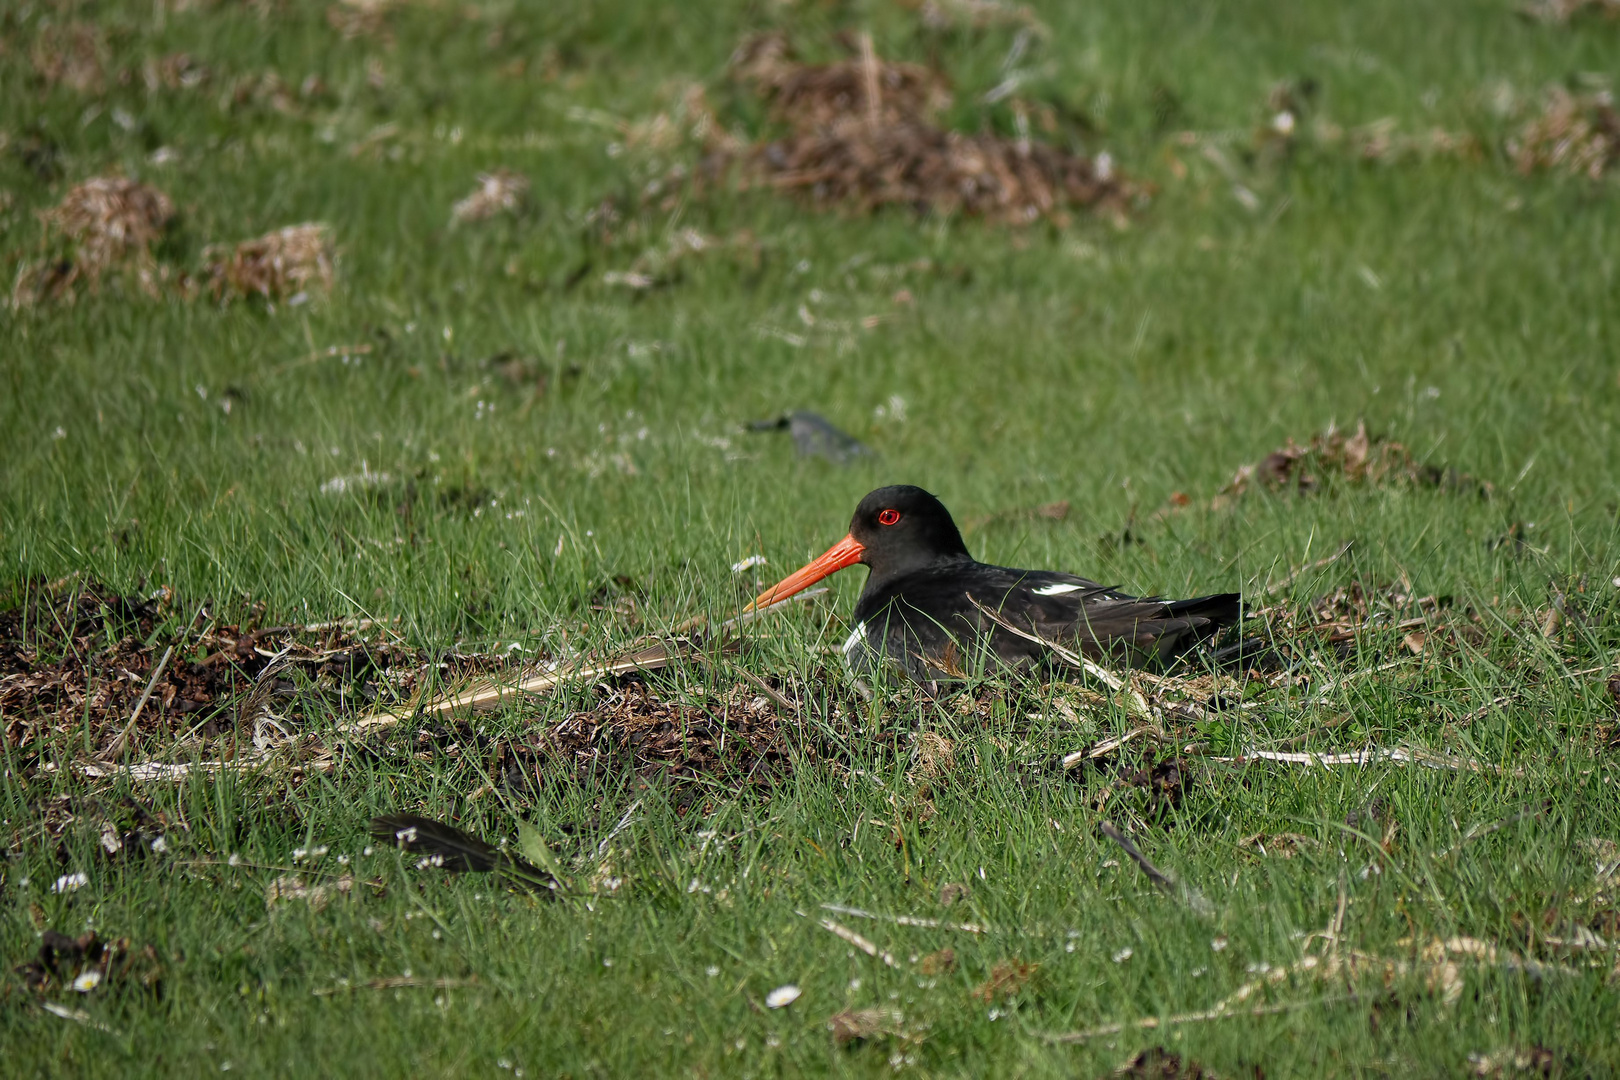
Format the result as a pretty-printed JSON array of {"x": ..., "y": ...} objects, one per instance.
[{"x": 888, "y": 517}]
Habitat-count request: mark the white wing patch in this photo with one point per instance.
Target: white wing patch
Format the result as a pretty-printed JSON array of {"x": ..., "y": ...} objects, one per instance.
[
  {"x": 1057, "y": 590},
  {"x": 856, "y": 637}
]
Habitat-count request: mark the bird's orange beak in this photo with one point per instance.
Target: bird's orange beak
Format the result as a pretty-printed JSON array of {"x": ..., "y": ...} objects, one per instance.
[{"x": 847, "y": 552}]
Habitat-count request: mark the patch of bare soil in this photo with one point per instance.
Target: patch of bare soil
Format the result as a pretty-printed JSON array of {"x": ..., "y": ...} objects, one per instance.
[{"x": 863, "y": 133}]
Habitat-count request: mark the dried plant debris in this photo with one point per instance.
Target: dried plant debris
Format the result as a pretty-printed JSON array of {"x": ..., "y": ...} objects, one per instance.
[
  {"x": 854, "y": 1025},
  {"x": 290, "y": 888},
  {"x": 737, "y": 737},
  {"x": 90, "y": 965},
  {"x": 1333, "y": 457},
  {"x": 108, "y": 222},
  {"x": 815, "y": 436},
  {"x": 498, "y": 192},
  {"x": 1157, "y": 1063},
  {"x": 76, "y": 659},
  {"x": 72, "y": 55},
  {"x": 278, "y": 265},
  {"x": 1575, "y": 133},
  {"x": 361, "y": 18},
  {"x": 1562, "y": 11},
  {"x": 863, "y": 134},
  {"x": 1007, "y": 978},
  {"x": 1509, "y": 1061}
]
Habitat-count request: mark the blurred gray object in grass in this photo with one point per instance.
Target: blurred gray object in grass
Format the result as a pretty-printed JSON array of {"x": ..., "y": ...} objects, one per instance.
[{"x": 814, "y": 436}]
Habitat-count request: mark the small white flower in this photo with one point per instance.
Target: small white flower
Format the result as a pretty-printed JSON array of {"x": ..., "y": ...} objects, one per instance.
[
  {"x": 782, "y": 996},
  {"x": 1283, "y": 123},
  {"x": 748, "y": 564},
  {"x": 70, "y": 883},
  {"x": 87, "y": 981},
  {"x": 711, "y": 971},
  {"x": 1124, "y": 954},
  {"x": 234, "y": 860},
  {"x": 160, "y": 845},
  {"x": 1218, "y": 944}
]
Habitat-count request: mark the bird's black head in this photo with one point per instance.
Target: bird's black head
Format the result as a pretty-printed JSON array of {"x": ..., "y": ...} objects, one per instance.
[
  {"x": 895, "y": 531},
  {"x": 903, "y": 528}
]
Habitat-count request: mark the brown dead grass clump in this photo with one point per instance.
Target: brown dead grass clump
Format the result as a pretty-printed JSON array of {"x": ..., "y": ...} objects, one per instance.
[
  {"x": 60, "y": 679},
  {"x": 361, "y": 18},
  {"x": 1007, "y": 978},
  {"x": 739, "y": 737},
  {"x": 1575, "y": 133},
  {"x": 108, "y": 222},
  {"x": 73, "y": 55},
  {"x": 111, "y": 219},
  {"x": 498, "y": 192},
  {"x": 863, "y": 134},
  {"x": 1333, "y": 455},
  {"x": 854, "y": 1025},
  {"x": 276, "y": 265}
]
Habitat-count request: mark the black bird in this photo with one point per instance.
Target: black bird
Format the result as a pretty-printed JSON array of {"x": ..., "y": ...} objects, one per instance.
[
  {"x": 449, "y": 848},
  {"x": 934, "y": 610}
]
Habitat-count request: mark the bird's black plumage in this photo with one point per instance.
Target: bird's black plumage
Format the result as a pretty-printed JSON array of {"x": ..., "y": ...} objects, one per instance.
[
  {"x": 934, "y": 610},
  {"x": 453, "y": 849}
]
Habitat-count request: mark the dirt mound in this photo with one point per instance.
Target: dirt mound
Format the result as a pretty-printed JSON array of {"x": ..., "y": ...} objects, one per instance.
[
  {"x": 1333, "y": 457},
  {"x": 864, "y": 134}
]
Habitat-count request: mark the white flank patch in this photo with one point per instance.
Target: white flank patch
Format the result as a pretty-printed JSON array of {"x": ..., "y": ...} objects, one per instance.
[
  {"x": 1057, "y": 590},
  {"x": 856, "y": 637}
]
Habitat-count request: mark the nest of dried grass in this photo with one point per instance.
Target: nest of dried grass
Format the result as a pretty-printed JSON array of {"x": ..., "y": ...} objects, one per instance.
[
  {"x": 1575, "y": 133},
  {"x": 864, "y": 134},
  {"x": 279, "y": 264}
]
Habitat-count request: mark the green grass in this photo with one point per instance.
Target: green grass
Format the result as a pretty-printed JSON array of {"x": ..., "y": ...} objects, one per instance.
[{"x": 1457, "y": 306}]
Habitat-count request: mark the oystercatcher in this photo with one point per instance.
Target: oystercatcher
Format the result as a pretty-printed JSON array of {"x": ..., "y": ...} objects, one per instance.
[{"x": 937, "y": 613}]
